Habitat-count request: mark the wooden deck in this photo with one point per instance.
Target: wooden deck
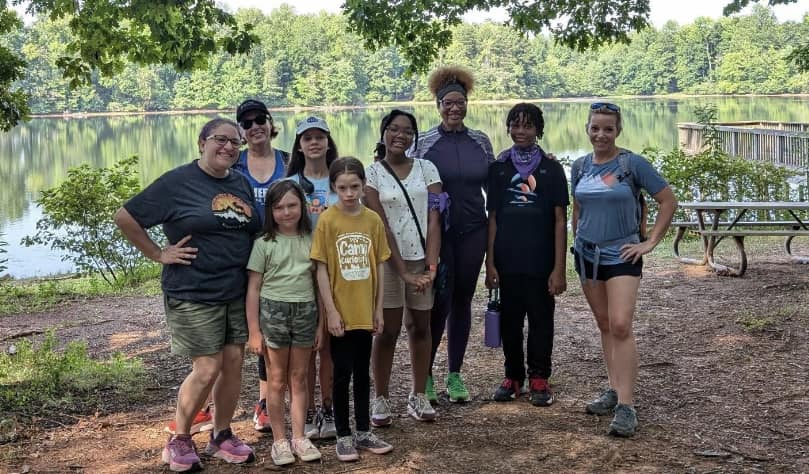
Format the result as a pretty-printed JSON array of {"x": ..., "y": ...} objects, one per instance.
[{"x": 781, "y": 143}]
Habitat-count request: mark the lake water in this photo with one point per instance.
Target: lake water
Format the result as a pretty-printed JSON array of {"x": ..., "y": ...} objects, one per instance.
[{"x": 36, "y": 155}]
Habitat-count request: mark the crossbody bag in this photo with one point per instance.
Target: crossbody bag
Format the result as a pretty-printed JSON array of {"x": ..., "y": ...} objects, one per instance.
[
  {"x": 442, "y": 270},
  {"x": 409, "y": 204}
]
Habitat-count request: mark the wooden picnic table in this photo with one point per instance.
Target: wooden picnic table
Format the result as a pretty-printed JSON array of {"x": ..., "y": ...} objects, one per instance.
[{"x": 738, "y": 229}]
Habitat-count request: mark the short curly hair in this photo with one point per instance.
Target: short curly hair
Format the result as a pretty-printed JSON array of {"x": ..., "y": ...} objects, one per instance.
[{"x": 447, "y": 75}]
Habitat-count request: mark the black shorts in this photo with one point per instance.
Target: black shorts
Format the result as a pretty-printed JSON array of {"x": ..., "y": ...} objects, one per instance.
[{"x": 605, "y": 272}]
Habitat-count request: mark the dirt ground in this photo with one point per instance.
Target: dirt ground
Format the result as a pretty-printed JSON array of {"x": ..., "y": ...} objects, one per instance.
[{"x": 713, "y": 395}]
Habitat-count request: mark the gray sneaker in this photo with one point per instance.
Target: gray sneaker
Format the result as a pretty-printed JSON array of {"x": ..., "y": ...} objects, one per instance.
[
  {"x": 380, "y": 412},
  {"x": 345, "y": 449},
  {"x": 625, "y": 421},
  {"x": 327, "y": 428},
  {"x": 370, "y": 442},
  {"x": 311, "y": 428},
  {"x": 419, "y": 407},
  {"x": 604, "y": 404}
]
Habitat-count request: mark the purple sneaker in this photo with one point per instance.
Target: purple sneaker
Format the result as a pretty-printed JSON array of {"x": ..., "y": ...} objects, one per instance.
[
  {"x": 230, "y": 448},
  {"x": 181, "y": 454}
]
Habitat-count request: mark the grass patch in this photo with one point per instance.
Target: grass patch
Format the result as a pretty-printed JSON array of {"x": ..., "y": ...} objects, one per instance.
[
  {"x": 756, "y": 323},
  {"x": 38, "y": 295},
  {"x": 770, "y": 318},
  {"x": 37, "y": 380}
]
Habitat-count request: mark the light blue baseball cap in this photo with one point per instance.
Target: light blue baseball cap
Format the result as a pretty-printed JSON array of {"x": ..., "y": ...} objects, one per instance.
[{"x": 311, "y": 122}]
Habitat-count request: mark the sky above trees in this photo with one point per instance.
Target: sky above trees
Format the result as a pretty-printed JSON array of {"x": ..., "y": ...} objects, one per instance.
[{"x": 681, "y": 11}]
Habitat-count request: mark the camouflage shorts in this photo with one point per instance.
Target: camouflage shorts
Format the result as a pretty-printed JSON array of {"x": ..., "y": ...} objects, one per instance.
[
  {"x": 202, "y": 329},
  {"x": 288, "y": 324}
]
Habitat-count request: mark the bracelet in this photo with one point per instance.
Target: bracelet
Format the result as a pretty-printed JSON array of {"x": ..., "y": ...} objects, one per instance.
[{"x": 431, "y": 267}]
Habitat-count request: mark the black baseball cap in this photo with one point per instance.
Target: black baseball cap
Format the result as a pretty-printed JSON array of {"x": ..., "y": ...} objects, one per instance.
[{"x": 251, "y": 105}]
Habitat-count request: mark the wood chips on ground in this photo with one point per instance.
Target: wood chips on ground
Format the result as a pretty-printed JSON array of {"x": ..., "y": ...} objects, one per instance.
[{"x": 713, "y": 395}]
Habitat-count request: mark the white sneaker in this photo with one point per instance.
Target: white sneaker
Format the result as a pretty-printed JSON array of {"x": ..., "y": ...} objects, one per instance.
[
  {"x": 310, "y": 427},
  {"x": 419, "y": 407},
  {"x": 325, "y": 418},
  {"x": 380, "y": 412},
  {"x": 281, "y": 453},
  {"x": 305, "y": 450}
]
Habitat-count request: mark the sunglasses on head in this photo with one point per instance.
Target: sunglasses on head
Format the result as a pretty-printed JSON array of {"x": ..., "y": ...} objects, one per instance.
[
  {"x": 605, "y": 105},
  {"x": 248, "y": 123}
]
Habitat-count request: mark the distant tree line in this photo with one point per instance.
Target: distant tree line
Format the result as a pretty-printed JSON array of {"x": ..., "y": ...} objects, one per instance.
[{"x": 314, "y": 60}]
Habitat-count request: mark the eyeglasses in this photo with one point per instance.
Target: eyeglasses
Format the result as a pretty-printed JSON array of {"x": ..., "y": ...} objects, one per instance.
[
  {"x": 605, "y": 105},
  {"x": 247, "y": 124},
  {"x": 223, "y": 140},
  {"x": 408, "y": 132},
  {"x": 448, "y": 104}
]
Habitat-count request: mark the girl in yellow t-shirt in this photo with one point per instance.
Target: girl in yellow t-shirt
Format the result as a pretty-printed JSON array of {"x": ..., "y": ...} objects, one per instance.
[
  {"x": 349, "y": 248},
  {"x": 282, "y": 314}
]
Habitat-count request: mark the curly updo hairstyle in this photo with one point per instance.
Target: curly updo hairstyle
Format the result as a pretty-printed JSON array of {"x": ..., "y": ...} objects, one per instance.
[{"x": 450, "y": 79}]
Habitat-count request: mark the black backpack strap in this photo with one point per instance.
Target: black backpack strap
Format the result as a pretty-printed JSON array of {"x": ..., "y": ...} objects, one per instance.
[{"x": 409, "y": 203}]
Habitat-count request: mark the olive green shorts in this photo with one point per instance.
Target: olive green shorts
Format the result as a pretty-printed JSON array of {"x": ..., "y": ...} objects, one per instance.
[
  {"x": 202, "y": 329},
  {"x": 288, "y": 324}
]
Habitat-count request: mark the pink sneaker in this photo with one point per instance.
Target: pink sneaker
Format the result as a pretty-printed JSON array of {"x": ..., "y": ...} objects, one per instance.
[
  {"x": 228, "y": 447},
  {"x": 181, "y": 454}
]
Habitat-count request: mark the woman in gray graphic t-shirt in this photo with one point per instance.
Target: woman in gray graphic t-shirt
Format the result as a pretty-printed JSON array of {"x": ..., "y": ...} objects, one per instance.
[{"x": 607, "y": 218}]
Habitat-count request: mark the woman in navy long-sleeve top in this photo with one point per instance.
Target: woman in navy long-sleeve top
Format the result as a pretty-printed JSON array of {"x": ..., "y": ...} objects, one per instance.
[{"x": 462, "y": 156}]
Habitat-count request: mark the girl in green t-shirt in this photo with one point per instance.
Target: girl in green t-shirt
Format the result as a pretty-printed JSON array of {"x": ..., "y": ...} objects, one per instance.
[{"x": 282, "y": 314}]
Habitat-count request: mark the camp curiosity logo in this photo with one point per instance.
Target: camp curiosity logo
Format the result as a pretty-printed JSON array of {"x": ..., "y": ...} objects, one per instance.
[{"x": 231, "y": 211}]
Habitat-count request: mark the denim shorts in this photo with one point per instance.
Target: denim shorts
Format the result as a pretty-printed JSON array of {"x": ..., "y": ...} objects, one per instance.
[
  {"x": 199, "y": 329},
  {"x": 288, "y": 324}
]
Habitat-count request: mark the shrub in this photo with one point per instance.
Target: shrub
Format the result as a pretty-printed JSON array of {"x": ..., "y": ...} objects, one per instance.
[
  {"x": 713, "y": 175},
  {"x": 35, "y": 379},
  {"x": 78, "y": 219}
]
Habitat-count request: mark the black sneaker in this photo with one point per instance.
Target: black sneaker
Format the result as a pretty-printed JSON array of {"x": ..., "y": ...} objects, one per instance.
[
  {"x": 507, "y": 391},
  {"x": 540, "y": 392}
]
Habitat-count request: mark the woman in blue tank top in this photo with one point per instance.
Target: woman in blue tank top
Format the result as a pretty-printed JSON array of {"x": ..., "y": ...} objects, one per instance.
[
  {"x": 262, "y": 165},
  {"x": 259, "y": 162}
]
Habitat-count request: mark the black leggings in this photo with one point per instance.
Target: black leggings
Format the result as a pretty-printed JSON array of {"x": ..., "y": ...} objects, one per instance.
[
  {"x": 351, "y": 355},
  {"x": 463, "y": 255}
]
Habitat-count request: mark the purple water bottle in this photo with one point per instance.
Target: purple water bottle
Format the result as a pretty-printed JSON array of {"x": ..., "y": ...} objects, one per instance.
[{"x": 491, "y": 320}]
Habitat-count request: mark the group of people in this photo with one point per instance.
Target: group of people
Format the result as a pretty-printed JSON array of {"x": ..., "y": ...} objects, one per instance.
[{"x": 310, "y": 260}]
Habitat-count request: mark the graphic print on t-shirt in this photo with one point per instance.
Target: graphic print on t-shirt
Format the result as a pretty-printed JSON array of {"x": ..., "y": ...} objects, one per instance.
[
  {"x": 352, "y": 255},
  {"x": 261, "y": 195},
  {"x": 317, "y": 202},
  {"x": 232, "y": 212},
  {"x": 522, "y": 190},
  {"x": 596, "y": 183}
]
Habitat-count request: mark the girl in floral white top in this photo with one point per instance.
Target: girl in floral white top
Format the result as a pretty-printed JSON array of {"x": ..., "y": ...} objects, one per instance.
[{"x": 405, "y": 193}]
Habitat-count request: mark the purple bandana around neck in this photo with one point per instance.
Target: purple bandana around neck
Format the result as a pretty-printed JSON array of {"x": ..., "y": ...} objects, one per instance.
[{"x": 525, "y": 160}]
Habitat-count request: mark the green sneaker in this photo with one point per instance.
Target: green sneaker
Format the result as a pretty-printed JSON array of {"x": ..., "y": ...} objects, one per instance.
[
  {"x": 429, "y": 390},
  {"x": 456, "y": 389}
]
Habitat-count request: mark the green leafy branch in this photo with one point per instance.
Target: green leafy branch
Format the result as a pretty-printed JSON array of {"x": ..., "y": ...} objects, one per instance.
[{"x": 77, "y": 219}]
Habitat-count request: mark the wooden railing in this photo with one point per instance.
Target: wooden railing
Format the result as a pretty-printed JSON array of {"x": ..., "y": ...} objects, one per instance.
[{"x": 781, "y": 143}]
